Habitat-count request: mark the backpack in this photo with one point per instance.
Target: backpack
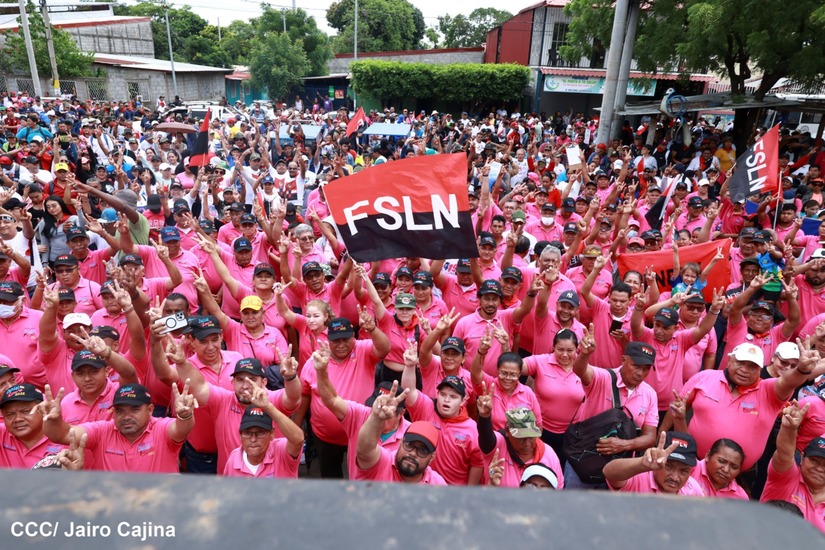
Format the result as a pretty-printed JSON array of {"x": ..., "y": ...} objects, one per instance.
[{"x": 580, "y": 439}]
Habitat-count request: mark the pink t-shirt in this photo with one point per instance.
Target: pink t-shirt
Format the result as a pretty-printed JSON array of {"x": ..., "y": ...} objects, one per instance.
[
  {"x": 153, "y": 452},
  {"x": 102, "y": 317},
  {"x": 76, "y": 411},
  {"x": 546, "y": 328},
  {"x": 811, "y": 301},
  {"x": 746, "y": 418},
  {"x": 14, "y": 454},
  {"x": 813, "y": 425},
  {"x": 527, "y": 335},
  {"x": 601, "y": 288},
  {"x": 24, "y": 331},
  {"x": 733, "y": 490},
  {"x": 187, "y": 264},
  {"x": 739, "y": 334},
  {"x": 472, "y": 328},
  {"x": 87, "y": 294},
  {"x": 93, "y": 267},
  {"x": 202, "y": 437},
  {"x": 228, "y": 233},
  {"x": 790, "y": 487},
  {"x": 695, "y": 356},
  {"x": 300, "y": 295},
  {"x": 666, "y": 374},
  {"x": 262, "y": 347},
  {"x": 385, "y": 470},
  {"x": 512, "y": 471},
  {"x": 609, "y": 350},
  {"x": 355, "y": 417},
  {"x": 276, "y": 463},
  {"x": 271, "y": 316},
  {"x": 464, "y": 300},
  {"x": 810, "y": 327},
  {"x": 58, "y": 365},
  {"x": 458, "y": 449},
  {"x": 353, "y": 378},
  {"x": 522, "y": 396},
  {"x": 641, "y": 403},
  {"x": 645, "y": 483},
  {"x": 433, "y": 373},
  {"x": 559, "y": 392}
]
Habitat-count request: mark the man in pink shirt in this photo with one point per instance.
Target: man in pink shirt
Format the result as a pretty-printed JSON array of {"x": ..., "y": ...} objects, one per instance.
[
  {"x": 56, "y": 350},
  {"x": 153, "y": 287},
  {"x": 231, "y": 231},
  {"x": 261, "y": 454},
  {"x": 134, "y": 440},
  {"x": 86, "y": 292},
  {"x": 22, "y": 442},
  {"x": 92, "y": 398},
  {"x": 20, "y": 325},
  {"x": 459, "y": 290},
  {"x": 411, "y": 461},
  {"x": 596, "y": 267},
  {"x": 810, "y": 279},
  {"x": 611, "y": 318},
  {"x": 694, "y": 217},
  {"x": 802, "y": 485},
  {"x": 662, "y": 470},
  {"x": 92, "y": 263},
  {"x": 546, "y": 228},
  {"x": 549, "y": 323}
]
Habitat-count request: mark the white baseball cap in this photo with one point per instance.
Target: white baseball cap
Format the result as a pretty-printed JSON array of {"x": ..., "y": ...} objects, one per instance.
[
  {"x": 818, "y": 253},
  {"x": 165, "y": 166},
  {"x": 702, "y": 182},
  {"x": 542, "y": 471},
  {"x": 76, "y": 319},
  {"x": 787, "y": 350},
  {"x": 750, "y": 353}
]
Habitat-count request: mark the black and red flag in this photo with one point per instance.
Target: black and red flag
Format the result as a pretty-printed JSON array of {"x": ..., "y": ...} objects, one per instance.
[
  {"x": 358, "y": 121},
  {"x": 411, "y": 207},
  {"x": 757, "y": 169},
  {"x": 200, "y": 151}
]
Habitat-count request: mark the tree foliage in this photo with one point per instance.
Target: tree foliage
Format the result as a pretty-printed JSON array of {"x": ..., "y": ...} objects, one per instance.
[
  {"x": 383, "y": 25},
  {"x": 299, "y": 26},
  {"x": 470, "y": 31},
  {"x": 459, "y": 82},
  {"x": 71, "y": 62},
  {"x": 278, "y": 64}
]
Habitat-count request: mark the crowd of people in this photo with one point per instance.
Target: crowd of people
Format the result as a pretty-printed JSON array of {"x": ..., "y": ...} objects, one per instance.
[{"x": 158, "y": 316}]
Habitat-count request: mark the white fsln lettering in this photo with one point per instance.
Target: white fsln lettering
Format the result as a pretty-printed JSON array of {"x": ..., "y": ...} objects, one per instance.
[
  {"x": 351, "y": 219},
  {"x": 444, "y": 214},
  {"x": 408, "y": 212},
  {"x": 441, "y": 211},
  {"x": 756, "y": 163},
  {"x": 396, "y": 218}
]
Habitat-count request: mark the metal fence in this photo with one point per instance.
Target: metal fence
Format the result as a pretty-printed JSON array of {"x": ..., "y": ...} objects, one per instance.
[{"x": 82, "y": 88}]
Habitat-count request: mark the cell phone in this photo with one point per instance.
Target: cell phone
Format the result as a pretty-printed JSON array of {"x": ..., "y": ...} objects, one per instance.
[
  {"x": 616, "y": 325},
  {"x": 173, "y": 322}
]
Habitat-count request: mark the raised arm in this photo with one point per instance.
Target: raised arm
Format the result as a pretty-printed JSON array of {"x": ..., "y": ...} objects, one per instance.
[
  {"x": 368, "y": 453},
  {"x": 792, "y": 416},
  {"x": 617, "y": 472},
  {"x": 332, "y": 401},
  {"x": 587, "y": 287}
]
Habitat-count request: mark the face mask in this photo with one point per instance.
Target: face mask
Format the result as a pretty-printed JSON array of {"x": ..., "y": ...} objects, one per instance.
[
  {"x": 6, "y": 311},
  {"x": 546, "y": 220}
]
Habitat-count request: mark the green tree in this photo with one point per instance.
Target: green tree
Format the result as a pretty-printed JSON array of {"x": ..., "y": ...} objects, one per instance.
[
  {"x": 383, "y": 25},
  {"x": 733, "y": 38},
  {"x": 278, "y": 64},
  {"x": 71, "y": 62},
  {"x": 238, "y": 41},
  {"x": 299, "y": 25},
  {"x": 470, "y": 31}
]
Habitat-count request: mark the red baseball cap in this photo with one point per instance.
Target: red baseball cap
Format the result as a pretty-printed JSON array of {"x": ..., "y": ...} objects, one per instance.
[{"x": 424, "y": 432}]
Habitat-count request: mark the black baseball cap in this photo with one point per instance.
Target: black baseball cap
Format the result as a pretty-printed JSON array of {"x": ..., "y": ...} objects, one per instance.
[
  {"x": 490, "y": 286},
  {"x": 10, "y": 290},
  {"x": 236, "y": 207},
  {"x": 667, "y": 316},
  {"x": 641, "y": 353},
  {"x": 340, "y": 328},
  {"x": 686, "y": 450},
  {"x": 571, "y": 227},
  {"x": 242, "y": 243},
  {"x": 384, "y": 388},
  {"x": 404, "y": 272},
  {"x": 767, "y": 306},
  {"x": 66, "y": 295},
  {"x": 569, "y": 204},
  {"x": 512, "y": 273},
  {"x": 311, "y": 266},
  {"x": 21, "y": 392},
  {"x": 454, "y": 342},
  {"x": 382, "y": 278},
  {"x": 570, "y": 297},
  {"x": 131, "y": 259},
  {"x": 65, "y": 259},
  {"x": 74, "y": 232},
  {"x": 249, "y": 218},
  {"x": 180, "y": 206},
  {"x": 263, "y": 267},
  {"x": 132, "y": 394},
  {"x": 423, "y": 278},
  {"x": 203, "y": 326},
  {"x": 207, "y": 226},
  {"x": 86, "y": 357},
  {"x": 454, "y": 382},
  {"x": 463, "y": 266},
  {"x": 816, "y": 447},
  {"x": 105, "y": 331},
  {"x": 255, "y": 417},
  {"x": 249, "y": 365}
]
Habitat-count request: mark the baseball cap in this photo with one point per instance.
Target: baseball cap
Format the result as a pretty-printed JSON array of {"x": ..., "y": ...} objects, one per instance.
[
  {"x": 340, "y": 328},
  {"x": 384, "y": 388},
  {"x": 518, "y": 216},
  {"x": 542, "y": 471},
  {"x": 423, "y": 278},
  {"x": 592, "y": 251},
  {"x": 10, "y": 290},
  {"x": 487, "y": 240},
  {"x": 637, "y": 241},
  {"x": 404, "y": 272},
  {"x": 203, "y": 326},
  {"x": 571, "y": 227},
  {"x": 816, "y": 447},
  {"x": 236, "y": 207},
  {"x": 686, "y": 450},
  {"x": 180, "y": 206},
  {"x": 695, "y": 298},
  {"x": 66, "y": 295},
  {"x": 640, "y": 353},
  {"x": 86, "y": 357},
  {"x": 787, "y": 350},
  {"x": 252, "y": 302},
  {"x": 404, "y": 301},
  {"x": 61, "y": 166},
  {"x": 76, "y": 319},
  {"x": 767, "y": 306},
  {"x": 249, "y": 365},
  {"x": 153, "y": 202},
  {"x": 490, "y": 286},
  {"x": 463, "y": 266},
  {"x": 255, "y": 417},
  {"x": 132, "y": 394},
  {"x": 455, "y": 343},
  {"x": 382, "y": 278},
  {"x": 105, "y": 331},
  {"x": 7, "y": 366},
  {"x": 424, "y": 432},
  {"x": 131, "y": 259},
  {"x": 667, "y": 316},
  {"x": 207, "y": 226},
  {"x": 249, "y": 218},
  {"x": 521, "y": 423},
  {"x": 569, "y": 204},
  {"x": 703, "y": 182},
  {"x": 263, "y": 267},
  {"x": 65, "y": 259},
  {"x": 570, "y": 297},
  {"x": 511, "y": 273},
  {"x": 648, "y": 235},
  {"x": 761, "y": 237},
  {"x": 242, "y": 243},
  {"x": 169, "y": 233},
  {"x": 748, "y": 352},
  {"x": 311, "y": 266},
  {"x": 109, "y": 215},
  {"x": 21, "y": 392},
  {"x": 454, "y": 382},
  {"x": 549, "y": 206}
]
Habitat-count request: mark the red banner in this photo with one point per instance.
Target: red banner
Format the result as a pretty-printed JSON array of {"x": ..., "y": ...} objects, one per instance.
[
  {"x": 662, "y": 264},
  {"x": 757, "y": 169},
  {"x": 411, "y": 207},
  {"x": 359, "y": 121}
]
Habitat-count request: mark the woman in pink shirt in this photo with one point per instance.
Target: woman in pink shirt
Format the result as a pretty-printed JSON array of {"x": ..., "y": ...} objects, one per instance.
[
  {"x": 311, "y": 327},
  {"x": 717, "y": 473}
]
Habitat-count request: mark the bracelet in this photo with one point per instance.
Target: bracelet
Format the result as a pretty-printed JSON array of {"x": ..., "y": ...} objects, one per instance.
[
  {"x": 372, "y": 329},
  {"x": 131, "y": 308},
  {"x": 482, "y": 354},
  {"x": 108, "y": 355},
  {"x": 294, "y": 376},
  {"x": 532, "y": 294},
  {"x": 185, "y": 419},
  {"x": 638, "y": 308},
  {"x": 804, "y": 373},
  {"x": 715, "y": 312}
]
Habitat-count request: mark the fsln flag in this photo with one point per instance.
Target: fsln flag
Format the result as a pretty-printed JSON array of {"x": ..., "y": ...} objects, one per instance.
[
  {"x": 656, "y": 214},
  {"x": 358, "y": 121},
  {"x": 661, "y": 261},
  {"x": 200, "y": 150},
  {"x": 757, "y": 170},
  {"x": 411, "y": 207}
]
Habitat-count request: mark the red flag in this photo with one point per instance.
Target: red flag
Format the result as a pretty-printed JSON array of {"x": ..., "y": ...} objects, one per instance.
[
  {"x": 757, "y": 169},
  {"x": 359, "y": 120},
  {"x": 662, "y": 263},
  {"x": 200, "y": 151},
  {"x": 411, "y": 207}
]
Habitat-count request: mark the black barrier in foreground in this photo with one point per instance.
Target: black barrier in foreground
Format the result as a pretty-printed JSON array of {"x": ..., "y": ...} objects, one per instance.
[{"x": 59, "y": 510}]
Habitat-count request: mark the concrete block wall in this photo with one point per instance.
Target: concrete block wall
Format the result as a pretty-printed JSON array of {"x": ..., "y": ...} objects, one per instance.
[{"x": 123, "y": 39}]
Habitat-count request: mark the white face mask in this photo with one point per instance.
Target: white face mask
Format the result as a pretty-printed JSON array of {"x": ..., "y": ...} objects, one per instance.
[
  {"x": 546, "y": 220},
  {"x": 7, "y": 311}
]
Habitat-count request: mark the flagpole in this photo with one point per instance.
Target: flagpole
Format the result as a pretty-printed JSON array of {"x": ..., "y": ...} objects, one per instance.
[{"x": 779, "y": 201}]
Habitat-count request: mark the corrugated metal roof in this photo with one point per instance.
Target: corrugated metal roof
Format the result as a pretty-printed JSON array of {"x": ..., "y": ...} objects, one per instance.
[{"x": 150, "y": 64}]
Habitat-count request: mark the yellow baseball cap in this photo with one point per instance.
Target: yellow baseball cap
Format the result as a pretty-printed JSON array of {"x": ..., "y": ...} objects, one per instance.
[
  {"x": 61, "y": 166},
  {"x": 252, "y": 302}
]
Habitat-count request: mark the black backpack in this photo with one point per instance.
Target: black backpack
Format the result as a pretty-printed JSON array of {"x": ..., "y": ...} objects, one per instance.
[{"x": 580, "y": 439}]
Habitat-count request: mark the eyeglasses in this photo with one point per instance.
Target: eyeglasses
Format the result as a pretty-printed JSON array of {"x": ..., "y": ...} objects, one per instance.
[
  {"x": 255, "y": 435},
  {"x": 765, "y": 315},
  {"x": 509, "y": 375},
  {"x": 21, "y": 412},
  {"x": 7, "y": 219},
  {"x": 306, "y": 239},
  {"x": 420, "y": 452},
  {"x": 695, "y": 309},
  {"x": 64, "y": 271}
]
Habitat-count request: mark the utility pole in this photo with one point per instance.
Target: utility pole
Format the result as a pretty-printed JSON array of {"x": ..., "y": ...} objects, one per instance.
[
  {"x": 171, "y": 54},
  {"x": 283, "y": 14},
  {"x": 354, "y": 54},
  {"x": 624, "y": 68},
  {"x": 44, "y": 9},
  {"x": 219, "y": 29},
  {"x": 614, "y": 59},
  {"x": 24, "y": 20}
]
